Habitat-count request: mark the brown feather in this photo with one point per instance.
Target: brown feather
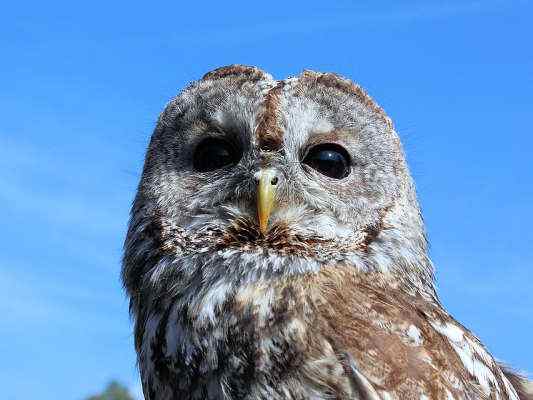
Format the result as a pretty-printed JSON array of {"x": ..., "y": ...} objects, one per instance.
[
  {"x": 520, "y": 383},
  {"x": 370, "y": 318}
]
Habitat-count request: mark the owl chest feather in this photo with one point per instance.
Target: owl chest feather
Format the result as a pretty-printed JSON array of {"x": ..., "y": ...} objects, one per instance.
[
  {"x": 287, "y": 340},
  {"x": 256, "y": 343}
]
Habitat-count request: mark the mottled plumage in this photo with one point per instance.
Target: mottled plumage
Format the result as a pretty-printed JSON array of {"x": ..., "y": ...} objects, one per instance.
[{"x": 313, "y": 285}]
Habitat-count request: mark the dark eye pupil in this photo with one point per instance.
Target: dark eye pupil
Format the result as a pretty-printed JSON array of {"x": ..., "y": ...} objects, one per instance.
[
  {"x": 330, "y": 160},
  {"x": 214, "y": 153}
]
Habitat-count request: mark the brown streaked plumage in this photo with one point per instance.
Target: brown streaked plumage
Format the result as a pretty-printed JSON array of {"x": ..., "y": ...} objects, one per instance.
[
  {"x": 391, "y": 335},
  {"x": 243, "y": 72},
  {"x": 311, "y": 78},
  {"x": 319, "y": 285},
  {"x": 269, "y": 132}
]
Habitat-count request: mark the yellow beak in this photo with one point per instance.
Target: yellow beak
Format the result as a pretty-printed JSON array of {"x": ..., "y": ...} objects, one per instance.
[{"x": 266, "y": 196}]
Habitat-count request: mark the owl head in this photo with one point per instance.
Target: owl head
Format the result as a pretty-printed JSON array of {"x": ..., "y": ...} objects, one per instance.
[{"x": 247, "y": 178}]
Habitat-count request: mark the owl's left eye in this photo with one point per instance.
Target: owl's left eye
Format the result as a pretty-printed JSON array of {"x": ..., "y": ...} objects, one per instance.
[
  {"x": 329, "y": 159},
  {"x": 214, "y": 153}
]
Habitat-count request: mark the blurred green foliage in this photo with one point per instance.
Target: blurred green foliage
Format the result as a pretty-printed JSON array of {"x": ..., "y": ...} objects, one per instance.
[{"x": 113, "y": 391}]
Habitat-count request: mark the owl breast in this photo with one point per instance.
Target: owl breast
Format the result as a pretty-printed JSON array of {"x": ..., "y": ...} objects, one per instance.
[
  {"x": 256, "y": 342},
  {"x": 288, "y": 339}
]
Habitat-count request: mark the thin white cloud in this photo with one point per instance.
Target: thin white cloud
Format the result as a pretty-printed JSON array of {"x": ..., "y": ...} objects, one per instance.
[
  {"x": 66, "y": 200},
  {"x": 72, "y": 227},
  {"x": 89, "y": 214},
  {"x": 29, "y": 300}
]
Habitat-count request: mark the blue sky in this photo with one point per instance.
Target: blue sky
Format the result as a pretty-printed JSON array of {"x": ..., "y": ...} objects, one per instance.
[{"x": 81, "y": 88}]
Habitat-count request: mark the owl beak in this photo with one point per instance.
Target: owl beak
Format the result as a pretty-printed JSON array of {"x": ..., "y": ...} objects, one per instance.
[{"x": 266, "y": 196}]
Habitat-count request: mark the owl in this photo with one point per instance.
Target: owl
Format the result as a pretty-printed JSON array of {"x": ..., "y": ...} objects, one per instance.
[{"x": 276, "y": 250}]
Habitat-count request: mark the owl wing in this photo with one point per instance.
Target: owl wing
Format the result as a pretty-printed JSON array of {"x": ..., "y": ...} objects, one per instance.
[
  {"x": 407, "y": 346},
  {"x": 523, "y": 387},
  {"x": 361, "y": 387}
]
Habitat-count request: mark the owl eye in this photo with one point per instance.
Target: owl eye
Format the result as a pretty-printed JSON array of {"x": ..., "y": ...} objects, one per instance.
[
  {"x": 329, "y": 159},
  {"x": 214, "y": 153}
]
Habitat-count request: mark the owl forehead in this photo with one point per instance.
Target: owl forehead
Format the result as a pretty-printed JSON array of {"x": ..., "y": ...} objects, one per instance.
[{"x": 249, "y": 101}]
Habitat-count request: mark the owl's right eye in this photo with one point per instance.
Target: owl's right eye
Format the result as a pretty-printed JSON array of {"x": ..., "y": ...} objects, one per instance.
[{"x": 214, "y": 153}]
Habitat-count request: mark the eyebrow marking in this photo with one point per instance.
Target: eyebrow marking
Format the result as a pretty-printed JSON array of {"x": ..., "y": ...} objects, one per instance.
[
  {"x": 269, "y": 133},
  {"x": 333, "y": 136}
]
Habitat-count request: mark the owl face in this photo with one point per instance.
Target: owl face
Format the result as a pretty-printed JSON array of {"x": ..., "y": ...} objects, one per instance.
[{"x": 253, "y": 177}]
